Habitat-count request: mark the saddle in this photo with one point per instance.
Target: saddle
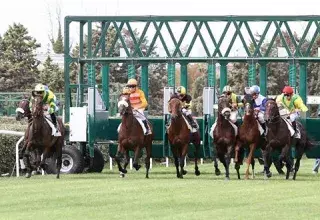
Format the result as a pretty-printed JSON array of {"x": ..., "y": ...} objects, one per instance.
[
  {"x": 142, "y": 126},
  {"x": 55, "y": 132},
  {"x": 293, "y": 133},
  {"x": 215, "y": 124},
  {"x": 191, "y": 129}
]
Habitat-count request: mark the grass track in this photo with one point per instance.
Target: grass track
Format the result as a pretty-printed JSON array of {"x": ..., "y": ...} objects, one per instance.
[{"x": 163, "y": 196}]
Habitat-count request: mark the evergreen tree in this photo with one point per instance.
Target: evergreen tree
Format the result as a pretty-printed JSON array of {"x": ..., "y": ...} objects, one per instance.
[
  {"x": 18, "y": 63},
  {"x": 52, "y": 76}
]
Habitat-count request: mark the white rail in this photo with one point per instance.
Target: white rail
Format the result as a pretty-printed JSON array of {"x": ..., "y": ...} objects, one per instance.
[{"x": 15, "y": 133}]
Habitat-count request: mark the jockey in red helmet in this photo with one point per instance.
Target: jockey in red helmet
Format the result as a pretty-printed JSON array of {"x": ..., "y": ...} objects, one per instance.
[{"x": 293, "y": 103}]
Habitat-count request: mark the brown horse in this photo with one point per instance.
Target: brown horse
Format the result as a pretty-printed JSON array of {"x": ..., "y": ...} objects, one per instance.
[
  {"x": 179, "y": 138},
  {"x": 249, "y": 136},
  {"x": 224, "y": 136},
  {"x": 131, "y": 137},
  {"x": 279, "y": 138},
  {"x": 41, "y": 141}
]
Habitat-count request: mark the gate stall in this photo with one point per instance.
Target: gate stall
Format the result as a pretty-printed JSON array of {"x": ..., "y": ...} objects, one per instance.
[{"x": 96, "y": 124}]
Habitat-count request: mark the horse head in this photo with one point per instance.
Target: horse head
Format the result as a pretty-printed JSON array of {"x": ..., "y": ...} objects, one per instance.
[
  {"x": 23, "y": 109},
  {"x": 248, "y": 104},
  {"x": 224, "y": 104},
  {"x": 174, "y": 108},
  {"x": 124, "y": 105},
  {"x": 272, "y": 111},
  {"x": 37, "y": 107}
]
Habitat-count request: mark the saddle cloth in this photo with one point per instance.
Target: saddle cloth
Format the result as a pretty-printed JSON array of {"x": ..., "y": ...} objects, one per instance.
[
  {"x": 290, "y": 127},
  {"x": 215, "y": 124},
  {"x": 191, "y": 129},
  {"x": 260, "y": 128},
  {"x": 53, "y": 129},
  {"x": 142, "y": 126}
]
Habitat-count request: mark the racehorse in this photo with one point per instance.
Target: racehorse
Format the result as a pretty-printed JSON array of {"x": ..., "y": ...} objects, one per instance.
[
  {"x": 249, "y": 136},
  {"x": 279, "y": 137},
  {"x": 131, "y": 137},
  {"x": 224, "y": 135},
  {"x": 180, "y": 136},
  {"x": 40, "y": 139}
]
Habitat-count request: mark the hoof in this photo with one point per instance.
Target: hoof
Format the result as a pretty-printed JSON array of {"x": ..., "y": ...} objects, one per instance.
[
  {"x": 267, "y": 175},
  {"x": 123, "y": 171},
  {"x": 227, "y": 178},
  {"x": 281, "y": 172},
  {"x": 197, "y": 172},
  {"x": 147, "y": 177},
  {"x": 28, "y": 175},
  {"x": 217, "y": 172},
  {"x": 122, "y": 175},
  {"x": 184, "y": 172},
  {"x": 137, "y": 166}
]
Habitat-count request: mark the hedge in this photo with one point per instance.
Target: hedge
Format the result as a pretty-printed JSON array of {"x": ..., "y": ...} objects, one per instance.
[{"x": 8, "y": 142}]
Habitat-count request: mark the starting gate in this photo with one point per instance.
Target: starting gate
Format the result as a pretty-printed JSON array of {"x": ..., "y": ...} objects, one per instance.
[{"x": 98, "y": 126}]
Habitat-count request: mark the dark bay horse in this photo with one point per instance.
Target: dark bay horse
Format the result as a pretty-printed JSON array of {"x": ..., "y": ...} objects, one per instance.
[
  {"x": 249, "y": 137},
  {"x": 180, "y": 136},
  {"x": 279, "y": 138},
  {"x": 131, "y": 137},
  {"x": 40, "y": 139},
  {"x": 224, "y": 136}
]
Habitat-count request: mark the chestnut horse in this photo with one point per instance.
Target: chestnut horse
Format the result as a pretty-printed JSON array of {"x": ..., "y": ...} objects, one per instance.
[
  {"x": 23, "y": 109},
  {"x": 180, "y": 136},
  {"x": 279, "y": 138},
  {"x": 249, "y": 136},
  {"x": 131, "y": 137},
  {"x": 224, "y": 136},
  {"x": 40, "y": 139}
]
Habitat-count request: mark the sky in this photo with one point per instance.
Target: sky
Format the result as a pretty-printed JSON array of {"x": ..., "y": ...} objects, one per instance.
[{"x": 37, "y": 18}]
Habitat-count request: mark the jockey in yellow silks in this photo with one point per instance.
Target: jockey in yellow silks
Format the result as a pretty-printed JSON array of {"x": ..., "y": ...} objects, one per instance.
[
  {"x": 293, "y": 103},
  {"x": 138, "y": 102},
  {"x": 227, "y": 90},
  {"x": 48, "y": 97}
]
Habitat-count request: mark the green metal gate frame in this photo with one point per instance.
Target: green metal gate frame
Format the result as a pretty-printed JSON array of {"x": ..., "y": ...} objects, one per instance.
[{"x": 200, "y": 23}]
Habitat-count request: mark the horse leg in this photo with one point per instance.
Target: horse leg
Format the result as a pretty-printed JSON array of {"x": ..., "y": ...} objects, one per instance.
[
  {"x": 196, "y": 157},
  {"x": 45, "y": 155},
  {"x": 237, "y": 159},
  {"x": 126, "y": 161},
  {"x": 215, "y": 162},
  {"x": 284, "y": 156},
  {"x": 148, "y": 156},
  {"x": 59, "y": 159},
  {"x": 249, "y": 159},
  {"x": 252, "y": 165},
  {"x": 182, "y": 157},
  {"x": 227, "y": 161},
  {"x": 28, "y": 165},
  {"x": 118, "y": 157},
  {"x": 222, "y": 159},
  {"x": 266, "y": 160},
  {"x": 176, "y": 160},
  {"x": 136, "y": 158},
  {"x": 299, "y": 151}
]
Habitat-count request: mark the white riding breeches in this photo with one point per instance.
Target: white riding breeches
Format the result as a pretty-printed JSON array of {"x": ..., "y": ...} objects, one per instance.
[
  {"x": 186, "y": 111},
  {"x": 233, "y": 116},
  {"x": 138, "y": 113},
  {"x": 294, "y": 116},
  {"x": 260, "y": 117}
]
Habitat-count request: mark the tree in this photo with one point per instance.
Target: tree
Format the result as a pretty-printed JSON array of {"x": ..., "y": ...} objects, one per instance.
[
  {"x": 18, "y": 64},
  {"x": 57, "y": 44},
  {"x": 52, "y": 76}
]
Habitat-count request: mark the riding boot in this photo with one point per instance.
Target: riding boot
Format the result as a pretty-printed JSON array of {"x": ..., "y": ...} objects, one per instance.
[
  {"x": 54, "y": 121},
  {"x": 294, "y": 125},
  {"x": 146, "y": 126},
  {"x": 263, "y": 125},
  {"x": 191, "y": 121}
]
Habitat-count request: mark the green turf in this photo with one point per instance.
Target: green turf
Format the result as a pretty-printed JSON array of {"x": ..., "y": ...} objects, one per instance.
[{"x": 163, "y": 196}]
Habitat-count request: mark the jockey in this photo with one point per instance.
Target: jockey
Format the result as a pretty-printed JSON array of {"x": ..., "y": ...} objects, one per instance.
[
  {"x": 48, "y": 98},
  {"x": 293, "y": 103},
  {"x": 227, "y": 90},
  {"x": 259, "y": 104},
  {"x": 137, "y": 101},
  {"x": 186, "y": 104}
]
